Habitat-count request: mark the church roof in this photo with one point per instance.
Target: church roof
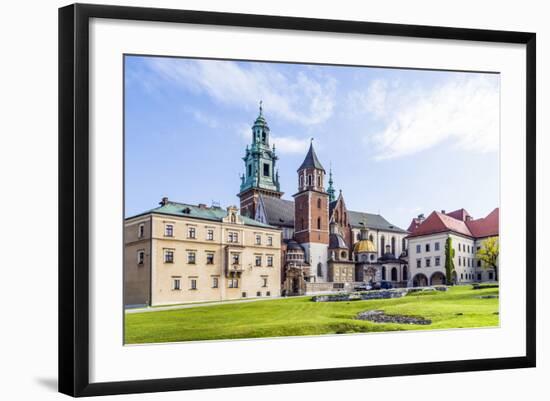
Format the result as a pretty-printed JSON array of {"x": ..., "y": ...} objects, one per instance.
[
  {"x": 364, "y": 245},
  {"x": 336, "y": 241},
  {"x": 279, "y": 212},
  {"x": 374, "y": 222},
  {"x": 198, "y": 212},
  {"x": 311, "y": 160}
]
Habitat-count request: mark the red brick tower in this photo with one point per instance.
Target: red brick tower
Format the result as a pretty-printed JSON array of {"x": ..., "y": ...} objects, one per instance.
[{"x": 311, "y": 209}]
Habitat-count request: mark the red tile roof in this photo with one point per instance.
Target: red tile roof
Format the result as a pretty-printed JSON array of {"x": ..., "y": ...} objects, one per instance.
[
  {"x": 460, "y": 214},
  {"x": 438, "y": 222},
  {"x": 485, "y": 227}
]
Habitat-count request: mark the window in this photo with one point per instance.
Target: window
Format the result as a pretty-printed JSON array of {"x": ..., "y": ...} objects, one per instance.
[
  {"x": 269, "y": 241},
  {"x": 459, "y": 261},
  {"x": 418, "y": 263},
  {"x": 191, "y": 232},
  {"x": 268, "y": 293},
  {"x": 479, "y": 276},
  {"x": 243, "y": 294},
  {"x": 210, "y": 234},
  {"x": 209, "y": 258},
  {"x": 309, "y": 180},
  {"x": 490, "y": 275},
  {"x": 258, "y": 260},
  {"x": 266, "y": 170},
  {"x": 233, "y": 283},
  {"x": 233, "y": 237},
  {"x": 319, "y": 181},
  {"x": 169, "y": 230},
  {"x": 191, "y": 257},
  {"x": 427, "y": 247},
  {"x": 250, "y": 170},
  {"x": 428, "y": 262},
  {"x": 318, "y": 223},
  {"x": 459, "y": 245},
  {"x": 393, "y": 245},
  {"x": 270, "y": 261},
  {"x": 382, "y": 245},
  {"x": 214, "y": 282},
  {"x": 264, "y": 281},
  {"x": 141, "y": 230},
  {"x": 140, "y": 257},
  {"x": 176, "y": 284},
  {"x": 258, "y": 239},
  {"x": 236, "y": 258},
  {"x": 301, "y": 181},
  {"x": 193, "y": 284},
  {"x": 479, "y": 263},
  {"x": 418, "y": 249},
  {"x": 383, "y": 272},
  {"x": 168, "y": 256},
  {"x": 359, "y": 236},
  {"x": 437, "y": 261},
  {"x": 259, "y": 294},
  {"x": 436, "y": 246},
  {"x": 319, "y": 269},
  {"x": 319, "y": 202}
]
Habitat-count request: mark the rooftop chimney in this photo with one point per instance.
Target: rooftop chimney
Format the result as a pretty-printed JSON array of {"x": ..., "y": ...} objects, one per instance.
[
  {"x": 163, "y": 201},
  {"x": 202, "y": 206},
  {"x": 421, "y": 216},
  {"x": 443, "y": 211}
]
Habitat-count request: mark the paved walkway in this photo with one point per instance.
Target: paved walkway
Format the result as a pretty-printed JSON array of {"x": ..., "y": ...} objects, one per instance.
[{"x": 199, "y": 305}]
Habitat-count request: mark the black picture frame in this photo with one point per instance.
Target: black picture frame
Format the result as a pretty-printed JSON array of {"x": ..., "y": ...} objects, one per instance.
[{"x": 74, "y": 198}]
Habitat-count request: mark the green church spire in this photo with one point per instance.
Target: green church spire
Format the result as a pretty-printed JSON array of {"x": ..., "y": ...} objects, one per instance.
[
  {"x": 260, "y": 159},
  {"x": 330, "y": 189}
]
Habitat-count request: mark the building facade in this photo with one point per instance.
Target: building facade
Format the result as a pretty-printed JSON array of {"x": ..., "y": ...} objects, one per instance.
[
  {"x": 429, "y": 238},
  {"x": 179, "y": 253}
]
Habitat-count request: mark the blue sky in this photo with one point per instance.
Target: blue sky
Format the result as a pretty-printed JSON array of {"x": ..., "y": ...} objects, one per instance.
[{"x": 400, "y": 142}]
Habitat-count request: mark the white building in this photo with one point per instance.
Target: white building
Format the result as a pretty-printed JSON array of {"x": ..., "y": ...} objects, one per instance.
[{"x": 428, "y": 239}]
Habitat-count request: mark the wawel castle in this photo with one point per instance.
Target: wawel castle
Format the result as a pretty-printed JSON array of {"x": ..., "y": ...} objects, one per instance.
[{"x": 306, "y": 243}]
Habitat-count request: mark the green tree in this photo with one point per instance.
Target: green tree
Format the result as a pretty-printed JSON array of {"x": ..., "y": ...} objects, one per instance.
[
  {"x": 488, "y": 254},
  {"x": 449, "y": 263}
]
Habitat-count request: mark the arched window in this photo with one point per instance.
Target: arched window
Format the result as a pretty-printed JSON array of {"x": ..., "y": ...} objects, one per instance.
[
  {"x": 403, "y": 245},
  {"x": 383, "y": 272},
  {"x": 309, "y": 180},
  {"x": 371, "y": 238},
  {"x": 301, "y": 181},
  {"x": 336, "y": 215},
  {"x": 318, "y": 223},
  {"x": 303, "y": 224},
  {"x": 394, "y": 274},
  {"x": 319, "y": 203},
  {"x": 319, "y": 269},
  {"x": 319, "y": 181},
  {"x": 358, "y": 236},
  {"x": 345, "y": 220},
  {"x": 405, "y": 278},
  {"x": 393, "y": 245},
  {"x": 382, "y": 245},
  {"x": 343, "y": 254}
]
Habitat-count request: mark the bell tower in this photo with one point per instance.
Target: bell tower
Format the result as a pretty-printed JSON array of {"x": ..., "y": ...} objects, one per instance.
[
  {"x": 311, "y": 214},
  {"x": 261, "y": 176}
]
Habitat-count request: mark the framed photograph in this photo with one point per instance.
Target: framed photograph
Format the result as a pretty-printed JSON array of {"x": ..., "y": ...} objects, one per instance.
[{"x": 251, "y": 199}]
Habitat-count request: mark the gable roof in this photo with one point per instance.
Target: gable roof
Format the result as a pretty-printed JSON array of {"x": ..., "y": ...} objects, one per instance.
[
  {"x": 278, "y": 212},
  {"x": 485, "y": 227},
  {"x": 460, "y": 214},
  {"x": 374, "y": 222},
  {"x": 203, "y": 213},
  {"x": 438, "y": 222},
  {"x": 311, "y": 160}
]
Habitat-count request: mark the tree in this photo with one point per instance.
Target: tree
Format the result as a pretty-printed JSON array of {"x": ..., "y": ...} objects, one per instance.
[
  {"x": 488, "y": 254},
  {"x": 449, "y": 263}
]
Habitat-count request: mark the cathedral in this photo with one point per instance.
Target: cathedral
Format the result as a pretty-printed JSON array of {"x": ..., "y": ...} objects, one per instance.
[{"x": 326, "y": 247}]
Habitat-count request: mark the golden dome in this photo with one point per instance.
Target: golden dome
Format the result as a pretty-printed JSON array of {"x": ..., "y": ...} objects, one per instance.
[{"x": 364, "y": 245}]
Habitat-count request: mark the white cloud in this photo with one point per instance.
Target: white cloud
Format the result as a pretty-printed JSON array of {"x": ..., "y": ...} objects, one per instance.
[
  {"x": 463, "y": 111},
  {"x": 201, "y": 117},
  {"x": 297, "y": 97},
  {"x": 283, "y": 144}
]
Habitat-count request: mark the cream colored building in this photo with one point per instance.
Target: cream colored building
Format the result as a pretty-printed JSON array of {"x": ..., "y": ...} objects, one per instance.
[{"x": 181, "y": 253}]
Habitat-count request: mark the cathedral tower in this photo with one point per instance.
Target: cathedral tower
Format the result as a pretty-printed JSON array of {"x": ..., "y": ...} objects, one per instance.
[
  {"x": 311, "y": 210},
  {"x": 261, "y": 176}
]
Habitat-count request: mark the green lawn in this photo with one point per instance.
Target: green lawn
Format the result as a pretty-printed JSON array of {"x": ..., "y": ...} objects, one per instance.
[{"x": 457, "y": 308}]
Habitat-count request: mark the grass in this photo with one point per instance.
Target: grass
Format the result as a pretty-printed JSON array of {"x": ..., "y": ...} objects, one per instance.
[{"x": 460, "y": 307}]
